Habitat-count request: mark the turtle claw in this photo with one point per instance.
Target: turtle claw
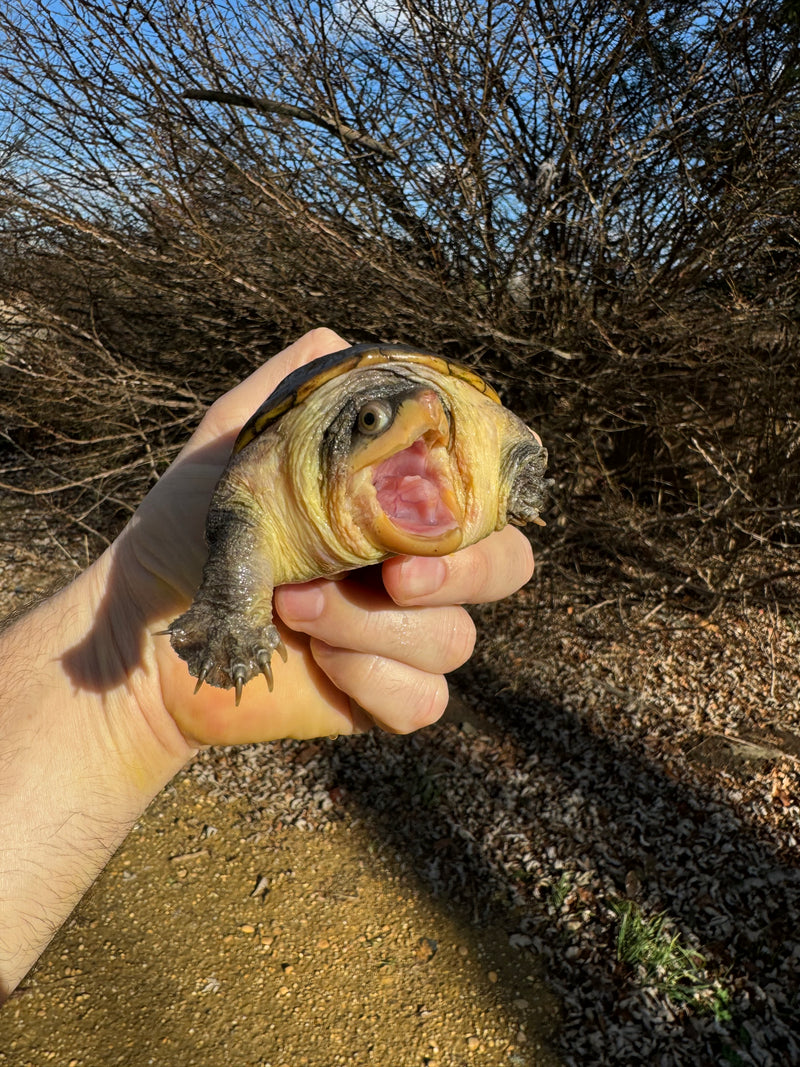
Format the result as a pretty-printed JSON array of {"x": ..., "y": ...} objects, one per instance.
[
  {"x": 201, "y": 677},
  {"x": 263, "y": 659},
  {"x": 239, "y": 675},
  {"x": 225, "y": 652}
]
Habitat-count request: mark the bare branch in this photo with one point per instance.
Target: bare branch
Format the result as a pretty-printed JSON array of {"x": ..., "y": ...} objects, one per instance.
[{"x": 292, "y": 111}]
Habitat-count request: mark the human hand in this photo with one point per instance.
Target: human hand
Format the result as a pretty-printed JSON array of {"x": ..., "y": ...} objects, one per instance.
[{"x": 361, "y": 650}]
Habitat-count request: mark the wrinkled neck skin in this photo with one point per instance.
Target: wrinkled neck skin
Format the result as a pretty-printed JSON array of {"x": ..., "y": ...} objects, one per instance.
[{"x": 285, "y": 486}]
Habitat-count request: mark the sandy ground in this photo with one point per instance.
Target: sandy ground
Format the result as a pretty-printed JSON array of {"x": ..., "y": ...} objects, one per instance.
[{"x": 201, "y": 946}]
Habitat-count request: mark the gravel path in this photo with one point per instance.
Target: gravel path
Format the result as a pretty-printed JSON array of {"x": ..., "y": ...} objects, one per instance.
[{"x": 599, "y": 767}]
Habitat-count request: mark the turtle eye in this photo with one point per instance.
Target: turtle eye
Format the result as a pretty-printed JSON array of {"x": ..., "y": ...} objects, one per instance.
[{"x": 374, "y": 417}]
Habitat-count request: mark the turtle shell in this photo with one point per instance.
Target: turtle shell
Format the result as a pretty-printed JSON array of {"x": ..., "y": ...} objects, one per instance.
[{"x": 301, "y": 383}]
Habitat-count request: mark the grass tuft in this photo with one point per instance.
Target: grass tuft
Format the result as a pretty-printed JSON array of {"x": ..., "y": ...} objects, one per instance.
[{"x": 666, "y": 963}]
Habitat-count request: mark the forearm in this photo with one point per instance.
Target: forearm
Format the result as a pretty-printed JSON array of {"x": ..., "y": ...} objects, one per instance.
[{"x": 78, "y": 765}]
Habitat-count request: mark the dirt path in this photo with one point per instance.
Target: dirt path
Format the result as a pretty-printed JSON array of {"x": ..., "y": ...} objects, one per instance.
[{"x": 199, "y": 946}]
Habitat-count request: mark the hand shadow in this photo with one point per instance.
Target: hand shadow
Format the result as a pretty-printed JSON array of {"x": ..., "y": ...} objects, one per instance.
[{"x": 156, "y": 567}]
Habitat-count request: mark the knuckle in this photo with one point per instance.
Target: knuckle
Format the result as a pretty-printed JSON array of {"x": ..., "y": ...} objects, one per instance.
[
  {"x": 431, "y": 702},
  {"x": 524, "y": 558},
  {"x": 505, "y": 564},
  {"x": 371, "y": 673},
  {"x": 480, "y": 567},
  {"x": 460, "y": 640},
  {"x": 323, "y": 337}
]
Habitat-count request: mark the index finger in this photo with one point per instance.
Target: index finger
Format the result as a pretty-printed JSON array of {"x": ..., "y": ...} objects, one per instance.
[{"x": 487, "y": 571}]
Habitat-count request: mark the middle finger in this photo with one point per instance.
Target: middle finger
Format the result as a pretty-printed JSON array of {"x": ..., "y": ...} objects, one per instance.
[{"x": 347, "y": 614}]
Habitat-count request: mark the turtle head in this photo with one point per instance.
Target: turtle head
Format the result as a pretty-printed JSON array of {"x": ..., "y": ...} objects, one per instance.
[
  {"x": 389, "y": 466},
  {"x": 379, "y": 451},
  {"x": 420, "y": 461}
]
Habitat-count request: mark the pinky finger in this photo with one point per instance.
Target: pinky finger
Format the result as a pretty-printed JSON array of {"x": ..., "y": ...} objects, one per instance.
[{"x": 397, "y": 697}]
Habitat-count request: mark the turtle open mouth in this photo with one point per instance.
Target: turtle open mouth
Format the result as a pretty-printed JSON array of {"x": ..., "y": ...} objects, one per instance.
[
  {"x": 411, "y": 492},
  {"x": 401, "y": 486}
]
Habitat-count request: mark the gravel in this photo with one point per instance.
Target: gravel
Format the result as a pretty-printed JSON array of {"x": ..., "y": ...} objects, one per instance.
[{"x": 595, "y": 763}]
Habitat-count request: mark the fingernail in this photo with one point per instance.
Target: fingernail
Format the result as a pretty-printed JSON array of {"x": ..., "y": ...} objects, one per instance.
[
  {"x": 422, "y": 576},
  {"x": 303, "y": 603}
]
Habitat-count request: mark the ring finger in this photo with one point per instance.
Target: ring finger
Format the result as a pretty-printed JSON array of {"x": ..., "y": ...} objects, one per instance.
[{"x": 398, "y": 697}]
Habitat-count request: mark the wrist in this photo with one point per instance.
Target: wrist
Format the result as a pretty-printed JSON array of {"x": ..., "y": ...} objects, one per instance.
[
  {"x": 77, "y": 672},
  {"x": 85, "y": 750}
]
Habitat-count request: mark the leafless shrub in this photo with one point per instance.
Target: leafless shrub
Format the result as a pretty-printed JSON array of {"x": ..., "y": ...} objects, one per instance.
[{"x": 596, "y": 202}]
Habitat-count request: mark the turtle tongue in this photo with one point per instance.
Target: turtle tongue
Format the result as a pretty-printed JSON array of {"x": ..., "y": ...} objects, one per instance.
[{"x": 410, "y": 494}]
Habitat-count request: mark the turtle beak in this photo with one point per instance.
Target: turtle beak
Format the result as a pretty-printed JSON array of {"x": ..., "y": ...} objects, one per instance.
[{"x": 421, "y": 415}]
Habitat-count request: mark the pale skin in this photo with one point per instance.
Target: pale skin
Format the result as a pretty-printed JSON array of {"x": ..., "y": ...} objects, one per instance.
[{"x": 97, "y": 713}]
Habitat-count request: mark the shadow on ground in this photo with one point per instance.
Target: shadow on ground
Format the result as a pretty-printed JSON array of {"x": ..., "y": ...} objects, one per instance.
[{"x": 544, "y": 823}]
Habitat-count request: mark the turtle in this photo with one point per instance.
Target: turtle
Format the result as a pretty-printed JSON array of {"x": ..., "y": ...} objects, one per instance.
[{"x": 372, "y": 451}]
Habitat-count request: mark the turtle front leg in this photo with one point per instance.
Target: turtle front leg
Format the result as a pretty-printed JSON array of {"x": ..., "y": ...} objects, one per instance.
[{"x": 227, "y": 636}]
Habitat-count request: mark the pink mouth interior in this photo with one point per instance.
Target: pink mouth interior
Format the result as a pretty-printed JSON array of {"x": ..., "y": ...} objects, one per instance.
[{"x": 408, "y": 492}]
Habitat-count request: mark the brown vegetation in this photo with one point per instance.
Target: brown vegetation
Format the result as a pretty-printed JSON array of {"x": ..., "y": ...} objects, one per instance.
[{"x": 595, "y": 203}]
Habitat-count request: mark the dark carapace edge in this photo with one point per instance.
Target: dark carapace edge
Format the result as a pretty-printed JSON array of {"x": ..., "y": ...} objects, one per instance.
[{"x": 298, "y": 386}]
